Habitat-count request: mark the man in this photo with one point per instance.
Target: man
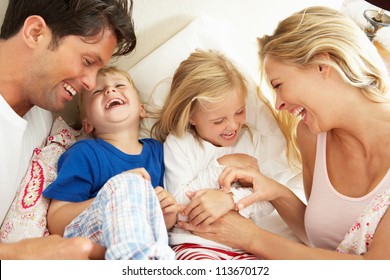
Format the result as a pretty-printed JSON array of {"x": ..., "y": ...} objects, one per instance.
[{"x": 49, "y": 52}]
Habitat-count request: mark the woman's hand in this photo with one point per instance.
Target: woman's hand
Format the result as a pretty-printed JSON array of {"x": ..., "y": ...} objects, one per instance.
[
  {"x": 232, "y": 230},
  {"x": 264, "y": 188},
  {"x": 168, "y": 205},
  {"x": 206, "y": 206},
  {"x": 243, "y": 161}
]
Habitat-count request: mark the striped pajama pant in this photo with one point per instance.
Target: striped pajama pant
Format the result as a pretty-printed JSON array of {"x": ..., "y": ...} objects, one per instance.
[
  {"x": 125, "y": 218},
  {"x": 189, "y": 251}
]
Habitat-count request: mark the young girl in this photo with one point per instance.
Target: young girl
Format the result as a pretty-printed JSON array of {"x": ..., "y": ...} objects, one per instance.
[
  {"x": 203, "y": 128},
  {"x": 124, "y": 214}
]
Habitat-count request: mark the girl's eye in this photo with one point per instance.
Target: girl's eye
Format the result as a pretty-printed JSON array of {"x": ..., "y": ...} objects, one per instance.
[
  {"x": 120, "y": 86},
  {"x": 241, "y": 111},
  {"x": 218, "y": 122},
  {"x": 276, "y": 86}
]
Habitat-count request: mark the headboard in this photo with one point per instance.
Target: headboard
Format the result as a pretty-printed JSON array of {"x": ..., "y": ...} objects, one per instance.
[{"x": 157, "y": 21}]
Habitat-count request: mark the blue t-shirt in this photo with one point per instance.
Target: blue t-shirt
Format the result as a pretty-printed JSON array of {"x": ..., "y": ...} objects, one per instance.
[{"x": 88, "y": 164}]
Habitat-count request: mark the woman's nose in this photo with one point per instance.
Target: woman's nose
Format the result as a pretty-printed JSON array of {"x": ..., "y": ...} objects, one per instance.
[{"x": 279, "y": 104}]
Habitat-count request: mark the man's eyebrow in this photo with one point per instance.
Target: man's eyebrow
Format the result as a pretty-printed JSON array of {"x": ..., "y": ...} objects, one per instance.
[{"x": 96, "y": 56}]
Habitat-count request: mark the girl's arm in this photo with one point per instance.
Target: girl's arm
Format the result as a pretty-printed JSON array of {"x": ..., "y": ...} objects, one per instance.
[
  {"x": 206, "y": 206},
  {"x": 188, "y": 168}
]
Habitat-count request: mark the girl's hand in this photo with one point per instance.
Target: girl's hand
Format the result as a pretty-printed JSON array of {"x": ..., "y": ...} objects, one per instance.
[
  {"x": 206, "y": 206},
  {"x": 239, "y": 160},
  {"x": 168, "y": 205}
]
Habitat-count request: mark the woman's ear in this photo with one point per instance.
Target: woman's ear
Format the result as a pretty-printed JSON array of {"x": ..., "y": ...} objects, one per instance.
[
  {"x": 34, "y": 28},
  {"x": 87, "y": 127},
  {"x": 323, "y": 68}
]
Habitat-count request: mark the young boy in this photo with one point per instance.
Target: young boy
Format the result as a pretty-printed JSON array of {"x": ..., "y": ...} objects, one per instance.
[{"x": 123, "y": 214}]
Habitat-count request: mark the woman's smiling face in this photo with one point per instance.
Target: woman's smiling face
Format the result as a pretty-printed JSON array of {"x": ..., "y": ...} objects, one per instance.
[{"x": 297, "y": 90}]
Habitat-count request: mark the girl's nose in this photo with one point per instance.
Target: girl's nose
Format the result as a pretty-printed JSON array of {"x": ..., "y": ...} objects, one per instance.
[{"x": 232, "y": 124}]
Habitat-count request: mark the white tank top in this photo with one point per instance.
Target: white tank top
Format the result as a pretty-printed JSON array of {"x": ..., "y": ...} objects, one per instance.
[{"x": 329, "y": 214}]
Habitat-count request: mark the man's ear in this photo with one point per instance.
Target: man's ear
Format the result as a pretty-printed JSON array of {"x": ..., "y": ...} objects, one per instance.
[
  {"x": 33, "y": 30},
  {"x": 87, "y": 127}
]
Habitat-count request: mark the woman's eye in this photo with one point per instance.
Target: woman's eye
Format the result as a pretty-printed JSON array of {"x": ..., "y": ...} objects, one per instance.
[{"x": 276, "y": 86}]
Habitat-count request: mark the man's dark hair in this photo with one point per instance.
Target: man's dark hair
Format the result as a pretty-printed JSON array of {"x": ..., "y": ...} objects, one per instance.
[{"x": 85, "y": 18}]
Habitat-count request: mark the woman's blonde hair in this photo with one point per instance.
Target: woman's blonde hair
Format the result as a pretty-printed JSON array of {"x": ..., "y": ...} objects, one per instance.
[
  {"x": 299, "y": 39},
  {"x": 204, "y": 77}
]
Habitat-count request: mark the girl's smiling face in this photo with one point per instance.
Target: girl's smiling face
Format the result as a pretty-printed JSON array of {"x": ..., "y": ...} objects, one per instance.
[{"x": 220, "y": 123}]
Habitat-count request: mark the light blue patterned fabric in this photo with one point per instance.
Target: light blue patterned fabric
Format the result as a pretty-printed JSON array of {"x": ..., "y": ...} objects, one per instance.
[{"x": 126, "y": 218}]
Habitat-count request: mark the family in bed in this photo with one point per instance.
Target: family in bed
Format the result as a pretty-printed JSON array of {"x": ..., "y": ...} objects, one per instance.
[{"x": 196, "y": 188}]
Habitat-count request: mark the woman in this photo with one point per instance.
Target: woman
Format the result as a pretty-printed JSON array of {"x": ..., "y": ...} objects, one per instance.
[{"x": 324, "y": 70}]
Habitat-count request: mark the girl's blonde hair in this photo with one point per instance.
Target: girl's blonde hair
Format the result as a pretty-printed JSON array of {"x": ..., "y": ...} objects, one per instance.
[
  {"x": 299, "y": 39},
  {"x": 204, "y": 77}
]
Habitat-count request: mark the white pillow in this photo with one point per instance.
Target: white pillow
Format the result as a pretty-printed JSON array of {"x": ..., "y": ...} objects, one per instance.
[
  {"x": 153, "y": 74},
  {"x": 26, "y": 217}
]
